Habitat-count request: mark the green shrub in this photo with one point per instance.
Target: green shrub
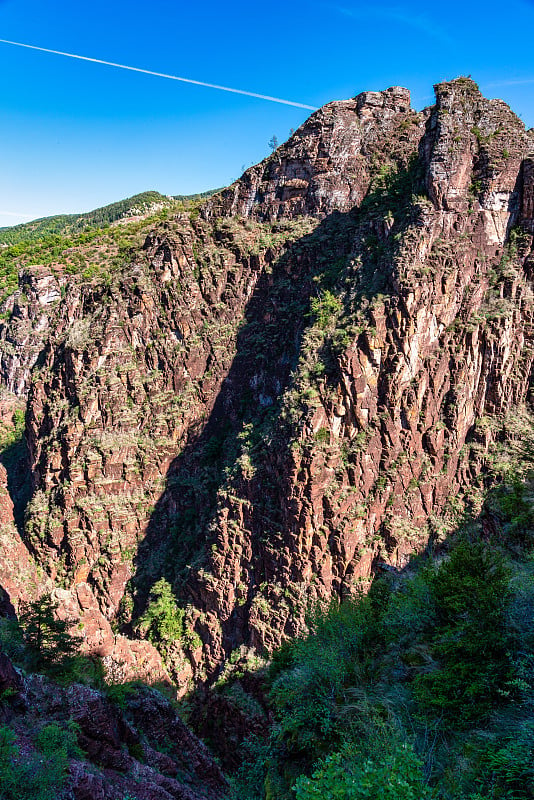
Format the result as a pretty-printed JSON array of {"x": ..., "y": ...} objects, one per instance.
[
  {"x": 29, "y": 777},
  {"x": 509, "y": 770},
  {"x": 338, "y": 653},
  {"x": 322, "y": 436},
  {"x": 249, "y": 781},
  {"x": 325, "y": 309},
  {"x": 163, "y": 620},
  {"x": 119, "y": 693},
  {"x": 49, "y": 645},
  {"x": 411, "y": 611},
  {"x": 513, "y": 503},
  {"x": 470, "y": 592},
  {"x": 498, "y": 767},
  {"x": 11, "y": 434},
  {"x": 396, "y": 775},
  {"x": 53, "y": 739}
]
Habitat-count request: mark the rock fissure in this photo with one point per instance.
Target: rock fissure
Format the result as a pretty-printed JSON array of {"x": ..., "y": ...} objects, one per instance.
[{"x": 263, "y": 402}]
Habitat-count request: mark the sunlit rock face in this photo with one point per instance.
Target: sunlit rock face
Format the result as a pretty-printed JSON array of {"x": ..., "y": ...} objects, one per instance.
[
  {"x": 327, "y": 164},
  {"x": 270, "y": 400}
]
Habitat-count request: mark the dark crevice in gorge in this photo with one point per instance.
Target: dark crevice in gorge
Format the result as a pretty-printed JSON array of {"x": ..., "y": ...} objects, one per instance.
[
  {"x": 15, "y": 459},
  {"x": 246, "y": 414},
  {"x": 253, "y": 511},
  {"x": 329, "y": 346},
  {"x": 351, "y": 255}
]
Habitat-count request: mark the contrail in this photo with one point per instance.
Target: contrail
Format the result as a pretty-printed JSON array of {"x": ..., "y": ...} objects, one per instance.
[{"x": 163, "y": 75}]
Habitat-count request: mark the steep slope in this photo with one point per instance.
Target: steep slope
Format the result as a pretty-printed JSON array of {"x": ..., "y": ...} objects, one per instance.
[
  {"x": 328, "y": 163},
  {"x": 79, "y": 743},
  {"x": 269, "y": 400}
]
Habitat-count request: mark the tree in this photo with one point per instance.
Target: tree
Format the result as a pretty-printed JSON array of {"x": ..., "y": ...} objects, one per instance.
[
  {"x": 49, "y": 644},
  {"x": 470, "y": 641},
  {"x": 273, "y": 142},
  {"x": 163, "y": 620}
]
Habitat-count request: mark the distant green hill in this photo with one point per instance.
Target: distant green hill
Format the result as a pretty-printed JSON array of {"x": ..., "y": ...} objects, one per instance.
[
  {"x": 82, "y": 242},
  {"x": 65, "y": 224}
]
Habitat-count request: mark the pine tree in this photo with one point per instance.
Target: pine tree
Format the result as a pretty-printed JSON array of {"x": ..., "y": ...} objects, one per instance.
[
  {"x": 163, "y": 620},
  {"x": 49, "y": 644},
  {"x": 273, "y": 143}
]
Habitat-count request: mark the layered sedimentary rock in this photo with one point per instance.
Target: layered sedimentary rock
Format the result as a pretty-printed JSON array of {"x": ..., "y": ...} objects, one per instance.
[
  {"x": 138, "y": 749},
  {"x": 327, "y": 163},
  {"x": 31, "y": 314},
  {"x": 270, "y": 400}
]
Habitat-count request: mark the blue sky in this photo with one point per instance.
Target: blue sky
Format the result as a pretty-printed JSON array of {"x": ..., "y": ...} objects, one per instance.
[{"x": 77, "y": 135}]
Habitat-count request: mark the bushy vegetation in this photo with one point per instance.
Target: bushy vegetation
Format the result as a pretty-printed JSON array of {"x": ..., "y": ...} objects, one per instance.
[
  {"x": 393, "y": 774},
  {"x": 47, "y": 638},
  {"x": 469, "y": 641},
  {"x": 40, "y": 641},
  {"x": 74, "y": 240},
  {"x": 163, "y": 620},
  {"x": 39, "y": 773},
  {"x": 423, "y": 688},
  {"x": 12, "y": 433},
  {"x": 65, "y": 224}
]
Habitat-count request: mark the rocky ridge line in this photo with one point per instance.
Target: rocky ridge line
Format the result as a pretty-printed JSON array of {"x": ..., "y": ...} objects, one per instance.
[{"x": 261, "y": 457}]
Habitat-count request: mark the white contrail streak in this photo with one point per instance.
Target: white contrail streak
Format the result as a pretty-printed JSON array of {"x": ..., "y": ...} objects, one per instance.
[{"x": 162, "y": 75}]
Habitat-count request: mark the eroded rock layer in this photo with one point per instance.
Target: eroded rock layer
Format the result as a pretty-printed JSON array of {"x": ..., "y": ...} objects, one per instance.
[{"x": 272, "y": 398}]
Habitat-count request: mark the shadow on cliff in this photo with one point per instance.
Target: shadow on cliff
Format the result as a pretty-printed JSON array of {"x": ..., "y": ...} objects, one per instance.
[
  {"x": 504, "y": 526},
  {"x": 233, "y": 473},
  {"x": 15, "y": 459}
]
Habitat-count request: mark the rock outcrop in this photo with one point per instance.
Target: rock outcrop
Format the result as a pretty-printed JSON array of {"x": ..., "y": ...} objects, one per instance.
[
  {"x": 138, "y": 748},
  {"x": 327, "y": 164},
  {"x": 31, "y": 314},
  {"x": 267, "y": 400}
]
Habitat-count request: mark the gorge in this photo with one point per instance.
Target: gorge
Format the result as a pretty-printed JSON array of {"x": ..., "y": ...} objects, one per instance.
[{"x": 238, "y": 407}]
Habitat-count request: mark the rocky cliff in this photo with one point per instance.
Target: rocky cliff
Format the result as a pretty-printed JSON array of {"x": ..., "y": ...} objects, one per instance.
[
  {"x": 265, "y": 402},
  {"x": 79, "y": 743}
]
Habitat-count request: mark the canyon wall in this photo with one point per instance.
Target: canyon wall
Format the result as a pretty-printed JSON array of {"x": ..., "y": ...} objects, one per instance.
[{"x": 274, "y": 398}]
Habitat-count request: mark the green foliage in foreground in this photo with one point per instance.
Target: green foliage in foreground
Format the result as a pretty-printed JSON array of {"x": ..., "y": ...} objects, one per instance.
[
  {"x": 42, "y": 773},
  {"x": 422, "y": 689},
  {"x": 393, "y": 775},
  {"x": 470, "y": 640}
]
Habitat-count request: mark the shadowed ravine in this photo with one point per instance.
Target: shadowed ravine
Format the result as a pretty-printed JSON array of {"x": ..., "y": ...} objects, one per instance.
[{"x": 262, "y": 398}]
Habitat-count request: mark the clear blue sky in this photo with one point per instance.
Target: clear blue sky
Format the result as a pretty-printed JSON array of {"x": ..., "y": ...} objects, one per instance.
[{"x": 77, "y": 135}]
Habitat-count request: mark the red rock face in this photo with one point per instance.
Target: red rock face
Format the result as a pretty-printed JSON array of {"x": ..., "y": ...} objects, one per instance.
[
  {"x": 527, "y": 197},
  {"x": 327, "y": 164},
  {"x": 20, "y": 578},
  {"x": 273, "y": 399},
  {"x": 141, "y": 749},
  {"x": 6, "y": 503},
  {"x": 31, "y": 311}
]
